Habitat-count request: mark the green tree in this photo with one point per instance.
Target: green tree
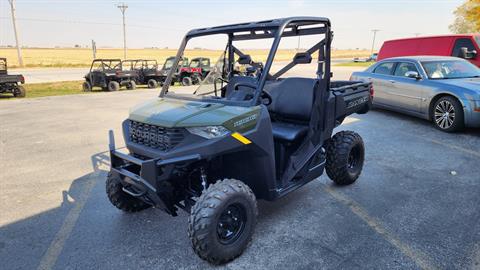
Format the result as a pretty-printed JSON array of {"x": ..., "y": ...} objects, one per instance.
[{"x": 467, "y": 18}]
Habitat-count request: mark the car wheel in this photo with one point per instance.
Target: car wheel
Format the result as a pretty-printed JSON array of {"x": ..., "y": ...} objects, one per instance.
[
  {"x": 131, "y": 85},
  {"x": 448, "y": 114},
  {"x": 222, "y": 221},
  {"x": 19, "y": 91},
  {"x": 120, "y": 199},
  {"x": 113, "y": 86},
  {"x": 187, "y": 81},
  {"x": 152, "y": 83},
  {"x": 87, "y": 87},
  {"x": 345, "y": 157}
]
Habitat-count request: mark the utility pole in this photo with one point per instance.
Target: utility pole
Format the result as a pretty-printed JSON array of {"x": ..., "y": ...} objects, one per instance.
[
  {"x": 94, "y": 49},
  {"x": 19, "y": 49},
  {"x": 123, "y": 8},
  {"x": 373, "y": 42}
]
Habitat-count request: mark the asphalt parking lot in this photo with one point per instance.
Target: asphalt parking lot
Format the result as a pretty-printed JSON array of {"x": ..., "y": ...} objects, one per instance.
[{"x": 415, "y": 206}]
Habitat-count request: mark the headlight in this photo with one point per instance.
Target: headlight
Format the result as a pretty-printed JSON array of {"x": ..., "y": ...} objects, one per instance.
[{"x": 209, "y": 132}]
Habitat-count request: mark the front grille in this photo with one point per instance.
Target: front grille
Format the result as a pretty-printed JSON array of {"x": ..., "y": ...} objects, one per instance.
[{"x": 156, "y": 137}]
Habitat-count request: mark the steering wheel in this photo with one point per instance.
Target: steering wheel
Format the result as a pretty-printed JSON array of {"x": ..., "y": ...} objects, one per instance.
[
  {"x": 266, "y": 98},
  {"x": 215, "y": 84}
]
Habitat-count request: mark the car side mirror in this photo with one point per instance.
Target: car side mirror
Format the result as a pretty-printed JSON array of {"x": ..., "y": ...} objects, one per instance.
[
  {"x": 245, "y": 59},
  {"x": 466, "y": 54},
  {"x": 413, "y": 75},
  {"x": 302, "y": 58}
]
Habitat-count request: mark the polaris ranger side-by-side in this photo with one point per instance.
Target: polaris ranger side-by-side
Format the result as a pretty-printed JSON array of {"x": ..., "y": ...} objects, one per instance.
[
  {"x": 215, "y": 152},
  {"x": 167, "y": 66},
  {"x": 144, "y": 72},
  {"x": 108, "y": 75},
  {"x": 10, "y": 83},
  {"x": 195, "y": 73}
]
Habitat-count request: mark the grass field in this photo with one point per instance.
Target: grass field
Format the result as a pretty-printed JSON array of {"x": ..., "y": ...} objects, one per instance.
[
  {"x": 76, "y": 57},
  {"x": 50, "y": 89},
  {"x": 57, "y": 89}
]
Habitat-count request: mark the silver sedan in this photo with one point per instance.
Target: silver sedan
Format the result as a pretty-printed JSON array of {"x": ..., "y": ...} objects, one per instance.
[{"x": 445, "y": 90}]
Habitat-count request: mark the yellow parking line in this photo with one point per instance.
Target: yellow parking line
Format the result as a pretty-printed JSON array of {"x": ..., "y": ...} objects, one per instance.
[
  {"x": 417, "y": 256},
  {"x": 56, "y": 246}
]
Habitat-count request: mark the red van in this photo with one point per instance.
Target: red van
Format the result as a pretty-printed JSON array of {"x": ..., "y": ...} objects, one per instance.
[{"x": 463, "y": 46}]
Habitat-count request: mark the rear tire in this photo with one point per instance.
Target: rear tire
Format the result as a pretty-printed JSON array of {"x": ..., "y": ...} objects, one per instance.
[
  {"x": 120, "y": 199},
  {"x": 447, "y": 114},
  {"x": 152, "y": 83},
  {"x": 87, "y": 87},
  {"x": 19, "y": 91},
  {"x": 131, "y": 85},
  {"x": 113, "y": 86},
  {"x": 222, "y": 221},
  {"x": 345, "y": 157},
  {"x": 187, "y": 81}
]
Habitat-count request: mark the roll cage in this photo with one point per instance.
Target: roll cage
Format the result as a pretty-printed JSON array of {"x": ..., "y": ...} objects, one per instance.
[
  {"x": 107, "y": 64},
  {"x": 276, "y": 29},
  {"x": 139, "y": 64}
]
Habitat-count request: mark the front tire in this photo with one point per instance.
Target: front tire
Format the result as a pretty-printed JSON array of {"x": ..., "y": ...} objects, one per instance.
[
  {"x": 19, "y": 91},
  {"x": 120, "y": 199},
  {"x": 187, "y": 81},
  {"x": 87, "y": 87},
  {"x": 448, "y": 114},
  {"x": 152, "y": 83},
  {"x": 222, "y": 221},
  {"x": 131, "y": 85},
  {"x": 345, "y": 157},
  {"x": 113, "y": 86}
]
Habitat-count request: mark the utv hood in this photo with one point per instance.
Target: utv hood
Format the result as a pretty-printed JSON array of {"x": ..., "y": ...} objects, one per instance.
[{"x": 169, "y": 112}]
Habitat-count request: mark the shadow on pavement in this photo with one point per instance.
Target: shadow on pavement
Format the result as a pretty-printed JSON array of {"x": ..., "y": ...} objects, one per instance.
[{"x": 24, "y": 242}]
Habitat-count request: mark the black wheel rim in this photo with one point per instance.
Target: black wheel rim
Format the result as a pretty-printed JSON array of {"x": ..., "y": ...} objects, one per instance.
[
  {"x": 231, "y": 224},
  {"x": 444, "y": 114},
  {"x": 354, "y": 158}
]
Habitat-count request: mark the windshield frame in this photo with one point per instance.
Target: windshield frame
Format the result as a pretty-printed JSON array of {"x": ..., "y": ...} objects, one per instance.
[
  {"x": 268, "y": 29},
  {"x": 444, "y": 61}
]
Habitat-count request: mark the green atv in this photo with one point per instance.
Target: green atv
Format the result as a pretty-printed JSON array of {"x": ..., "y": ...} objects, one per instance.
[{"x": 250, "y": 135}]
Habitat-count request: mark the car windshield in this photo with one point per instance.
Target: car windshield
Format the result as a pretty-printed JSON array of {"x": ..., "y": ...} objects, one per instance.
[
  {"x": 195, "y": 63},
  {"x": 208, "y": 63},
  {"x": 477, "y": 38},
  {"x": 169, "y": 63},
  {"x": 233, "y": 64},
  {"x": 452, "y": 69}
]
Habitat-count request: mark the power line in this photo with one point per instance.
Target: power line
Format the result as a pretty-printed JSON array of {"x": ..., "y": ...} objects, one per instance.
[{"x": 86, "y": 22}]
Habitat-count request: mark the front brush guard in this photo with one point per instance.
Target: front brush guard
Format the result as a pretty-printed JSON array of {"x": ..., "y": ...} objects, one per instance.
[{"x": 143, "y": 174}]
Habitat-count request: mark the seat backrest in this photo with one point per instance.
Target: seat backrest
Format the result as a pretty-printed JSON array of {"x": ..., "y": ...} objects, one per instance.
[{"x": 292, "y": 98}]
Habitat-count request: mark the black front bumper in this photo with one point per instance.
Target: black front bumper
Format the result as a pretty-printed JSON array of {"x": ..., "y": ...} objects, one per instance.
[{"x": 140, "y": 176}]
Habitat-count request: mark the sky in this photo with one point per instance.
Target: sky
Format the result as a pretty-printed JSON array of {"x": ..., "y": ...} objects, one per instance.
[{"x": 163, "y": 23}]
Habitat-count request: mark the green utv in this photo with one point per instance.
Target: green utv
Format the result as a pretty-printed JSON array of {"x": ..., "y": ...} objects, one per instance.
[{"x": 247, "y": 136}]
